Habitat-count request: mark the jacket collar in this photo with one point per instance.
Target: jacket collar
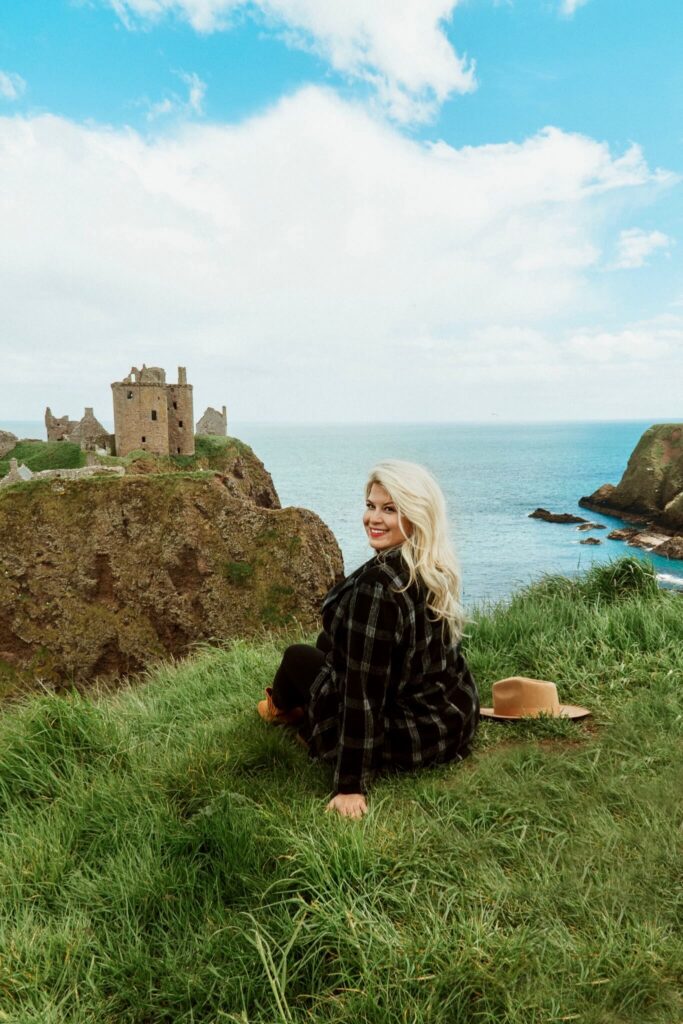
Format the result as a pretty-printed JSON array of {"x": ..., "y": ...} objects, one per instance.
[{"x": 393, "y": 555}]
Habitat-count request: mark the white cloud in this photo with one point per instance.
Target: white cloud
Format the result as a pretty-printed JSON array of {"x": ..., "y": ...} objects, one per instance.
[
  {"x": 568, "y": 7},
  {"x": 12, "y": 86},
  {"x": 310, "y": 262},
  {"x": 398, "y": 46},
  {"x": 655, "y": 341},
  {"x": 196, "y": 90},
  {"x": 175, "y": 104},
  {"x": 635, "y": 245}
]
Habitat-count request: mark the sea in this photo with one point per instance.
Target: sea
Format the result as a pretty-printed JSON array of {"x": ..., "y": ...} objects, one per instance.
[{"x": 493, "y": 475}]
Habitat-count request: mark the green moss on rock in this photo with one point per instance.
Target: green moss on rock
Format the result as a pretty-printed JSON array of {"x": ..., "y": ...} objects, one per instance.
[
  {"x": 652, "y": 483},
  {"x": 100, "y": 577}
]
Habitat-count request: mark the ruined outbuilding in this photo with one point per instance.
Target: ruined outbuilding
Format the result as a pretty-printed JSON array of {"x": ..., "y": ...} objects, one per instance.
[
  {"x": 151, "y": 415},
  {"x": 8, "y": 441},
  {"x": 213, "y": 423},
  {"x": 58, "y": 427},
  {"x": 88, "y": 432}
]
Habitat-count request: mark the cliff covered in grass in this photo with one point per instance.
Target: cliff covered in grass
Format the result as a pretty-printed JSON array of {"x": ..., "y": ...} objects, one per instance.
[
  {"x": 650, "y": 492},
  {"x": 165, "y": 858},
  {"x": 652, "y": 484},
  {"x": 100, "y": 577}
]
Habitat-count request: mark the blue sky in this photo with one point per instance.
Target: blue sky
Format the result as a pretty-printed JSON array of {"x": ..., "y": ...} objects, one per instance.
[{"x": 477, "y": 204}]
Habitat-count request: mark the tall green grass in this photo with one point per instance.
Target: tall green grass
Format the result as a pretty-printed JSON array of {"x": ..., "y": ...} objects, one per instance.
[{"x": 164, "y": 855}]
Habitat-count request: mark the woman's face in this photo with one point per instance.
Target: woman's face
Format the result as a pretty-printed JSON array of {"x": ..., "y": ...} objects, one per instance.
[{"x": 381, "y": 520}]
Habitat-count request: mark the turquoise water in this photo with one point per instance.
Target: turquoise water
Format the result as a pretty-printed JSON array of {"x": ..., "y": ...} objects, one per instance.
[{"x": 492, "y": 476}]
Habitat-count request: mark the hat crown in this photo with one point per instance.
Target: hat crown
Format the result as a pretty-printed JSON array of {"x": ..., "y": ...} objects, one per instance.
[{"x": 520, "y": 696}]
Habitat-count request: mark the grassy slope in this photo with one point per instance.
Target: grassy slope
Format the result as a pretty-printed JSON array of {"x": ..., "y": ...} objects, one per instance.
[
  {"x": 210, "y": 452},
  {"x": 164, "y": 856},
  {"x": 39, "y": 455}
]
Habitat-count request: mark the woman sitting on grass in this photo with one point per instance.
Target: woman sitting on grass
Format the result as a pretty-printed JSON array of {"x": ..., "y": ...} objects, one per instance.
[{"x": 386, "y": 684}]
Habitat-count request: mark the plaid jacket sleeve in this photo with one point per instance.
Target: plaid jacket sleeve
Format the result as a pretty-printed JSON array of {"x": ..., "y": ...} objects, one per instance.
[{"x": 362, "y": 665}]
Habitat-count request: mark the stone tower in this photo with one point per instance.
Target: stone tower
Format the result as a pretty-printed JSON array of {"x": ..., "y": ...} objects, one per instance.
[
  {"x": 180, "y": 416},
  {"x": 151, "y": 415}
]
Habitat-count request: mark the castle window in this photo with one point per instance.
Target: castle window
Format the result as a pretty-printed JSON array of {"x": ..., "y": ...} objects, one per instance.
[
  {"x": 129, "y": 394},
  {"x": 180, "y": 423},
  {"x": 175, "y": 405},
  {"x": 144, "y": 439},
  {"x": 154, "y": 414},
  {"x": 178, "y": 450}
]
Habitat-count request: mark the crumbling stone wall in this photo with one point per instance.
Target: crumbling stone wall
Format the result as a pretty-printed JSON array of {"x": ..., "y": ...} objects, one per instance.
[
  {"x": 22, "y": 474},
  {"x": 213, "y": 423},
  {"x": 8, "y": 441},
  {"x": 88, "y": 432},
  {"x": 58, "y": 427}
]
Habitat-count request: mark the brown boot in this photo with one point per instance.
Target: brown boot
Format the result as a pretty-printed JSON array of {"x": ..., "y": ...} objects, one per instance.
[{"x": 270, "y": 713}]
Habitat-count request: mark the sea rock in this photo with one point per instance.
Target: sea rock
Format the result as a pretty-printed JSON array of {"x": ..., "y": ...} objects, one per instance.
[
  {"x": 8, "y": 441},
  {"x": 626, "y": 533},
  {"x": 648, "y": 540},
  {"x": 671, "y": 548},
  {"x": 590, "y": 540},
  {"x": 650, "y": 492},
  {"x": 584, "y": 527},
  {"x": 555, "y": 517},
  {"x": 102, "y": 576},
  {"x": 652, "y": 481}
]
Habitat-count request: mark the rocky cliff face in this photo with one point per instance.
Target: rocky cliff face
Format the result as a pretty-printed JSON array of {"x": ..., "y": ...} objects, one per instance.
[
  {"x": 243, "y": 471},
  {"x": 103, "y": 576},
  {"x": 651, "y": 489},
  {"x": 652, "y": 485}
]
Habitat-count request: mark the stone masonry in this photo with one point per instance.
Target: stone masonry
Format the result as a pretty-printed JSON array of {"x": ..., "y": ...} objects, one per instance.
[
  {"x": 87, "y": 432},
  {"x": 8, "y": 441},
  {"x": 151, "y": 415},
  {"x": 58, "y": 427},
  {"x": 213, "y": 423}
]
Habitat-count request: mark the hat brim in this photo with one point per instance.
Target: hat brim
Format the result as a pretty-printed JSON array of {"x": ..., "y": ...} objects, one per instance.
[{"x": 566, "y": 711}]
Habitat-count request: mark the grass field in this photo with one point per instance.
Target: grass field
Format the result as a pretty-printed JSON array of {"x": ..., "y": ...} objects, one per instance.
[
  {"x": 39, "y": 455},
  {"x": 164, "y": 855}
]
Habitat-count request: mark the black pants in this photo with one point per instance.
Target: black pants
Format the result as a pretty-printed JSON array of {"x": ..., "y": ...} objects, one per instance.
[{"x": 298, "y": 669}]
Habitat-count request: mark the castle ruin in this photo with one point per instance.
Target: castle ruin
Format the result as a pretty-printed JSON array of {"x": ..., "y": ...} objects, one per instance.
[
  {"x": 87, "y": 432},
  {"x": 213, "y": 423},
  {"x": 151, "y": 415}
]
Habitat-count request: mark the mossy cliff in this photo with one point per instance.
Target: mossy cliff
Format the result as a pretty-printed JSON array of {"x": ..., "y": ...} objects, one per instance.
[
  {"x": 651, "y": 488},
  {"x": 103, "y": 576}
]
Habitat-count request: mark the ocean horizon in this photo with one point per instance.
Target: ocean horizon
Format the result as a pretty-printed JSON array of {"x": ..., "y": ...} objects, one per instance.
[{"x": 493, "y": 476}]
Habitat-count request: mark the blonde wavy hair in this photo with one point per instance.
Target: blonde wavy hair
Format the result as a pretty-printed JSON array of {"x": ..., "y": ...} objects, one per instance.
[{"x": 427, "y": 550}]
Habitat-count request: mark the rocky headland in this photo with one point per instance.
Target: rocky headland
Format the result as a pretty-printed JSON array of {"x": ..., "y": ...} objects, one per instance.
[
  {"x": 649, "y": 494},
  {"x": 101, "y": 576}
]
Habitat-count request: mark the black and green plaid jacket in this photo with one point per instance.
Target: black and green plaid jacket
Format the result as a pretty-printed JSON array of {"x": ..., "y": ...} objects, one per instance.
[{"x": 392, "y": 691}]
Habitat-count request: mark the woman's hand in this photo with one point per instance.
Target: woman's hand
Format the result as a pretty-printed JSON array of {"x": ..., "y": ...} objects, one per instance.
[{"x": 349, "y": 805}]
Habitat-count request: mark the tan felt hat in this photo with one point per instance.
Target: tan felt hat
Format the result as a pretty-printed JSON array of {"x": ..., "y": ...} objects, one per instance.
[{"x": 519, "y": 697}]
